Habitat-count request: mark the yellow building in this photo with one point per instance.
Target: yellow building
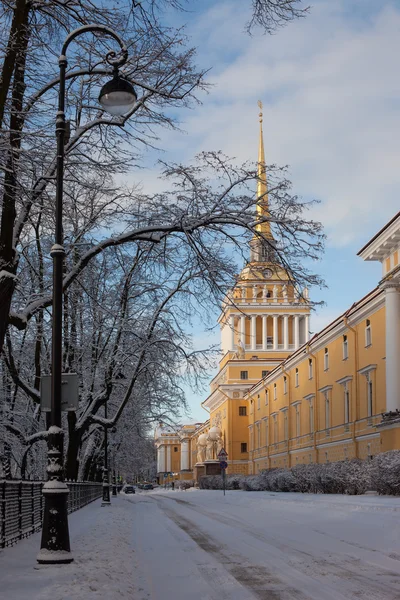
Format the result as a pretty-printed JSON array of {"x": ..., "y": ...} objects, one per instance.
[{"x": 280, "y": 398}]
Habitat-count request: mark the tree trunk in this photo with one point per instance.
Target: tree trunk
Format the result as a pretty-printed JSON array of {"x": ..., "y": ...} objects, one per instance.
[
  {"x": 74, "y": 444},
  {"x": 14, "y": 62}
]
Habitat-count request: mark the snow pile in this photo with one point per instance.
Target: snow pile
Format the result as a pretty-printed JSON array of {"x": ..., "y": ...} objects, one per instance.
[
  {"x": 185, "y": 485},
  {"x": 344, "y": 477}
]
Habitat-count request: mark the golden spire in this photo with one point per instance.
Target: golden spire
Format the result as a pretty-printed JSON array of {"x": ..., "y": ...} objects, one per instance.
[{"x": 262, "y": 187}]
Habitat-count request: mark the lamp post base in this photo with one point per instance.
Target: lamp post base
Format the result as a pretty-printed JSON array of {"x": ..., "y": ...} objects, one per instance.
[
  {"x": 106, "y": 490},
  {"x": 55, "y": 547}
]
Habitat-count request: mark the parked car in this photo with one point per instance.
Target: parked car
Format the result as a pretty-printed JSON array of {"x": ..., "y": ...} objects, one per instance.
[
  {"x": 148, "y": 486},
  {"x": 129, "y": 489}
]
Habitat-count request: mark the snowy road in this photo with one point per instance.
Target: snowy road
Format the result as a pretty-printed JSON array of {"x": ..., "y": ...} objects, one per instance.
[{"x": 198, "y": 545}]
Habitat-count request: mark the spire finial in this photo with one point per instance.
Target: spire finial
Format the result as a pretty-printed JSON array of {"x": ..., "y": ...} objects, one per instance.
[{"x": 262, "y": 187}]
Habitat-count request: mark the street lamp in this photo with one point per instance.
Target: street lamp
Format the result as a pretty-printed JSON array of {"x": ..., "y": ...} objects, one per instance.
[{"x": 117, "y": 97}]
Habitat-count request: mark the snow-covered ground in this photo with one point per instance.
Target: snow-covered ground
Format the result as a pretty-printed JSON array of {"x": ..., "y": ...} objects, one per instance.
[{"x": 200, "y": 545}]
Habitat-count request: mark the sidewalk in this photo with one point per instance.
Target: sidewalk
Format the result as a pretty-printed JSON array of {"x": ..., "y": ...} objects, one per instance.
[{"x": 104, "y": 562}]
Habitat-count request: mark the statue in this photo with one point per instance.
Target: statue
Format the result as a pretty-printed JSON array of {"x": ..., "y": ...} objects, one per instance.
[
  {"x": 201, "y": 448},
  {"x": 210, "y": 450},
  {"x": 305, "y": 293},
  {"x": 240, "y": 350},
  {"x": 201, "y": 454},
  {"x": 220, "y": 443},
  {"x": 265, "y": 292},
  {"x": 244, "y": 293},
  {"x": 275, "y": 292},
  {"x": 284, "y": 291},
  {"x": 255, "y": 290}
]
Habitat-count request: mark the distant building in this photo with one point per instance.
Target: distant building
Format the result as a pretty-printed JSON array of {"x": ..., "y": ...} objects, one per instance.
[{"x": 281, "y": 398}]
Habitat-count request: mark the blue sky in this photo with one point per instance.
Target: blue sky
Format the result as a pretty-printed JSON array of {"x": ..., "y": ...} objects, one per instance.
[{"x": 330, "y": 85}]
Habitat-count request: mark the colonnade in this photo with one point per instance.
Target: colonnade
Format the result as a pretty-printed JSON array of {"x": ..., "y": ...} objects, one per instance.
[
  {"x": 164, "y": 463},
  {"x": 300, "y": 333}
]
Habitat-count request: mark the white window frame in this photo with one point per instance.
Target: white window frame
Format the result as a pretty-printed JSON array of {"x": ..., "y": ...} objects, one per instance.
[
  {"x": 284, "y": 384},
  {"x": 346, "y": 398},
  {"x": 266, "y": 396},
  {"x": 275, "y": 391},
  {"x": 275, "y": 429},
  {"x": 258, "y": 436},
  {"x": 311, "y": 417},
  {"x": 345, "y": 348},
  {"x": 310, "y": 368},
  {"x": 285, "y": 426},
  {"x": 368, "y": 334},
  {"x": 327, "y": 410},
  {"x": 296, "y": 377},
  {"x": 266, "y": 433},
  {"x": 258, "y": 402},
  {"x": 367, "y": 372},
  {"x": 370, "y": 394},
  {"x": 326, "y": 359}
]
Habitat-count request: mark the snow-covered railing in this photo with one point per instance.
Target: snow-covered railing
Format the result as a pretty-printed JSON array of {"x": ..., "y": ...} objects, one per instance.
[{"x": 21, "y": 506}]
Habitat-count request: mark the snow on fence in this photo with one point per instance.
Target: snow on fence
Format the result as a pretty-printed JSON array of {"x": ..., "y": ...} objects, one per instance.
[{"x": 22, "y": 505}]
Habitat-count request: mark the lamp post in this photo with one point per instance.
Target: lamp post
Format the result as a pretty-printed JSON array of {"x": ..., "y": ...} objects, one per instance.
[
  {"x": 106, "y": 478},
  {"x": 117, "y": 97}
]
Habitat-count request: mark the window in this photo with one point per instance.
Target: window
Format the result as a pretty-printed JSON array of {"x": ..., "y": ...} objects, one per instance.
[
  {"x": 327, "y": 411},
  {"x": 284, "y": 385},
  {"x": 326, "y": 359},
  {"x": 266, "y": 396},
  {"x": 258, "y": 436},
  {"x": 346, "y": 393},
  {"x": 369, "y": 395},
  {"x": 264, "y": 373},
  {"x": 367, "y": 333},
  {"x": 244, "y": 374},
  {"x": 258, "y": 402},
  {"x": 285, "y": 425},
  {"x": 266, "y": 433},
  {"x": 175, "y": 449},
  {"x": 274, "y": 391},
  {"x": 242, "y": 411},
  {"x": 296, "y": 378},
  {"x": 345, "y": 348},
  {"x": 310, "y": 368},
  {"x": 275, "y": 429},
  {"x": 243, "y": 447},
  {"x": 311, "y": 417},
  {"x": 298, "y": 433}
]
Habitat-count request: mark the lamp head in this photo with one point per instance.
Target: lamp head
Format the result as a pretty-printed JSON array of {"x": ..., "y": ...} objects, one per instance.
[{"x": 117, "y": 96}]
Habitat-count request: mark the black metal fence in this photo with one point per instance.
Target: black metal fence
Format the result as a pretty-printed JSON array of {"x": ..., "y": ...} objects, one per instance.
[{"x": 22, "y": 503}]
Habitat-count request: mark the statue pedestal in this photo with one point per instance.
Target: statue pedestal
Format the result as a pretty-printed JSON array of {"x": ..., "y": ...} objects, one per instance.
[
  {"x": 208, "y": 467},
  {"x": 212, "y": 467}
]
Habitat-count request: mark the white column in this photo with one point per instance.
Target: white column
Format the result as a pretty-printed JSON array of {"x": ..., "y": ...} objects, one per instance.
[
  {"x": 232, "y": 326},
  {"x": 275, "y": 332},
  {"x": 168, "y": 458},
  {"x": 162, "y": 459},
  {"x": 307, "y": 328},
  {"x": 185, "y": 455},
  {"x": 159, "y": 459},
  {"x": 264, "y": 332},
  {"x": 296, "y": 332},
  {"x": 392, "y": 308},
  {"x": 243, "y": 329},
  {"x": 286, "y": 332},
  {"x": 253, "y": 337}
]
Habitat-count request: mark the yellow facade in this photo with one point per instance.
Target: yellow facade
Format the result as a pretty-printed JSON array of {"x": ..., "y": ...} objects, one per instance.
[{"x": 280, "y": 398}]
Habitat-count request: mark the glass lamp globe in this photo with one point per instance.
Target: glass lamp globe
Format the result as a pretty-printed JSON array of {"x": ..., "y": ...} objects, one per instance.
[{"x": 117, "y": 96}]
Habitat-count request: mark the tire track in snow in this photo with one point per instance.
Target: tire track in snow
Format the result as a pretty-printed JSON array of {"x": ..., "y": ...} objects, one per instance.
[
  {"x": 362, "y": 579},
  {"x": 262, "y": 582}
]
